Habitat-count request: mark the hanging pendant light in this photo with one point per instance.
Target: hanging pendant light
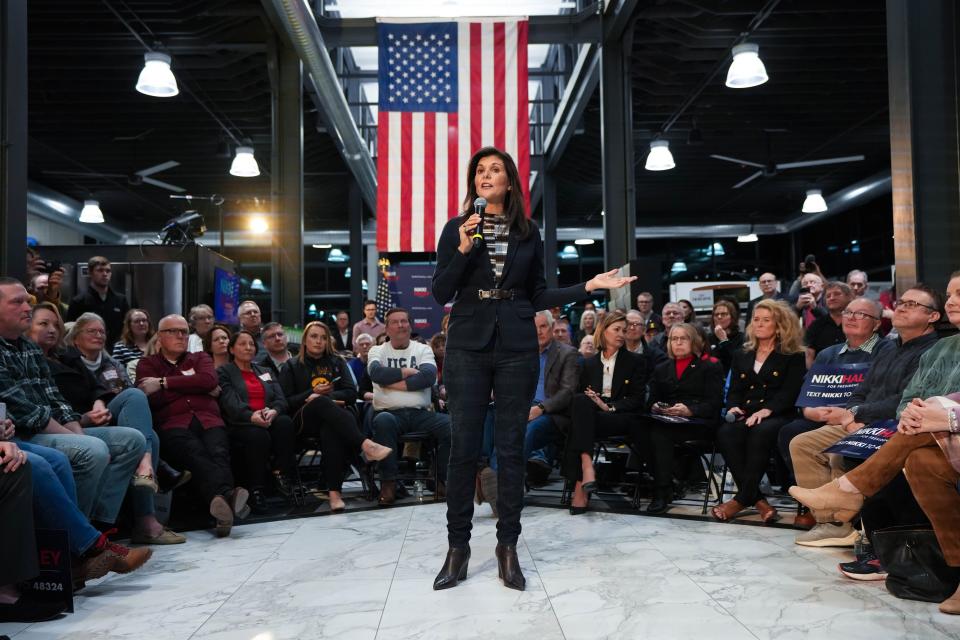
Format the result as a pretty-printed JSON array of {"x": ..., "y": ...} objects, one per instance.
[
  {"x": 749, "y": 237},
  {"x": 747, "y": 69},
  {"x": 157, "y": 79},
  {"x": 244, "y": 164},
  {"x": 814, "y": 202},
  {"x": 91, "y": 212},
  {"x": 659, "y": 158}
]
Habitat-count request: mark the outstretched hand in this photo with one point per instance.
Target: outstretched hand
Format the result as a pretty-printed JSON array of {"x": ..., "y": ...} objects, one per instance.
[{"x": 608, "y": 280}]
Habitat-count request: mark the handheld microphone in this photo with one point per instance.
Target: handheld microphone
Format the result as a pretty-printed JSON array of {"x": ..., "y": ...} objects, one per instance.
[{"x": 479, "y": 206}]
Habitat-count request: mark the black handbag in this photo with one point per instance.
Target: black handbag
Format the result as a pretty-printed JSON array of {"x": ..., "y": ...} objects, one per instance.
[{"x": 916, "y": 569}]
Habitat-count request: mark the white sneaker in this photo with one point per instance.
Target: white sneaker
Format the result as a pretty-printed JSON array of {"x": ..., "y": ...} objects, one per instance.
[{"x": 825, "y": 534}]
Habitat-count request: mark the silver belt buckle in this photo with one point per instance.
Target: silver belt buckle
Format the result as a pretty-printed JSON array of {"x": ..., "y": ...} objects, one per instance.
[{"x": 484, "y": 294}]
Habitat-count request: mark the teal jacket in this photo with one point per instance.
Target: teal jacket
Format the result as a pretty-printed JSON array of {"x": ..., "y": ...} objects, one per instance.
[{"x": 938, "y": 373}]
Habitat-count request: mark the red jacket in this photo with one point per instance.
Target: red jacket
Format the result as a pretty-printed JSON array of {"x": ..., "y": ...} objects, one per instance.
[{"x": 185, "y": 396}]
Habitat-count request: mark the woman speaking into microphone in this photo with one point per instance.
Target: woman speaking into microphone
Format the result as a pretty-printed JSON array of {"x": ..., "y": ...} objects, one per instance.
[{"x": 497, "y": 285}]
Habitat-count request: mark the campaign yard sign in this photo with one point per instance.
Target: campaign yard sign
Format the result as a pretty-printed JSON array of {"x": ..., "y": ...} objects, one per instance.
[
  {"x": 831, "y": 385},
  {"x": 864, "y": 442}
]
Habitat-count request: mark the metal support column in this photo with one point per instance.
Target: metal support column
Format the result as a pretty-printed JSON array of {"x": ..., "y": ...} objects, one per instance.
[
  {"x": 549, "y": 203},
  {"x": 355, "y": 213},
  {"x": 922, "y": 44},
  {"x": 619, "y": 201},
  {"x": 287, "y": 185},
  {"x": 13, "y": 138}
]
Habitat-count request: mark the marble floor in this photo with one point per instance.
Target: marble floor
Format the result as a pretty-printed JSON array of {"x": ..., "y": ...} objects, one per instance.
[{"x": 603, "y": 575}]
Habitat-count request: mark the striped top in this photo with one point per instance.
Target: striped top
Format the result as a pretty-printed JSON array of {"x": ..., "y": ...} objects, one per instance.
[
  {"x": 123, "y": 353},
  {"x": 496, "y": 236}
]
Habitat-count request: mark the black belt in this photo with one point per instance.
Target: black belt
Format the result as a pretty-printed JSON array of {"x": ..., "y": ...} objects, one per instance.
[{"x": 498, "y": 294}]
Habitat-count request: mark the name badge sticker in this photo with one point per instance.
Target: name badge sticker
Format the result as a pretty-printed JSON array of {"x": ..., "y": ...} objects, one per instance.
[
  {"x": 266, "y": 377},
  {"x": 110, "y": 374},
  {"x": 188, "y": 372}
]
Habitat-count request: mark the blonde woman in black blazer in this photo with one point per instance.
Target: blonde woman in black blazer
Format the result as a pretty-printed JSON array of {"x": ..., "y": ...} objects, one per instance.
[{"x": 765, "y": 379}]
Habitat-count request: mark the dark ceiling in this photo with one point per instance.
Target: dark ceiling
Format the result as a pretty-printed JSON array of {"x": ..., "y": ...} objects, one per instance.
[{"x": 827, "y": 96}]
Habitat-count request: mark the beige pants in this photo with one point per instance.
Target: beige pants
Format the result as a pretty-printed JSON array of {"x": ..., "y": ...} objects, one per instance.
[{"x": 811, "y": 466}]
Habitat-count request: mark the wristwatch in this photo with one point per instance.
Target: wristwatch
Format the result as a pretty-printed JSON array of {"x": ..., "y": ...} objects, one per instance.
[
  {"x": 540, "y": 404},
  {"x": 853, "y": 410}
]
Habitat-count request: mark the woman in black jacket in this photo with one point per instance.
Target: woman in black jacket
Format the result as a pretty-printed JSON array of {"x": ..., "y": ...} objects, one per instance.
[
  {"x": 765, "y": 379},
  {"x": 726, "y": 339},
  {"x": 491, "y": 266},
  {"x": 316, "y": 383},
  {"x": 686, "y": 393},
  {"x": 612, "y": 393},
  {"x": 255, "y": 411}
]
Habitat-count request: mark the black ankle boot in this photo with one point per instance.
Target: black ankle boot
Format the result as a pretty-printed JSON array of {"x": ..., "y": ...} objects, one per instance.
[
  {"x": 660, "y": 502},
  {"x": 508, "y": 567},
  {"x": 454, "y": 568}
]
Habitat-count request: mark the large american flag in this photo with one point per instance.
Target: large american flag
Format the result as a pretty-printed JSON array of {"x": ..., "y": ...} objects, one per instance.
[{"x": 446, "y": 89}]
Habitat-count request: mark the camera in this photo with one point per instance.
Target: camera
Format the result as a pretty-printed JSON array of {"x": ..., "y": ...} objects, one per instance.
[
  {"x": 50, "y": 266},
  {"x": 804, "y": 289}
]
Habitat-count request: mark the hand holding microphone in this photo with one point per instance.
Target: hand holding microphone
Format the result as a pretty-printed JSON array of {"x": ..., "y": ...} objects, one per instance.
[{"x": 471, "y": 231}]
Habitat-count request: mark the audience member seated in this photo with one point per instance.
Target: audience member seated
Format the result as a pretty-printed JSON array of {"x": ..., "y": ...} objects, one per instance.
[
  {"x": 726, "y": 339},
  {"x": 100, "y": 299},
  {"x": 857, "y": 281},
  {"x": 876, "y": 398},
  {"x": 104, "y": 459},
  {"x": 809, "y": 303},
  {"x": 136, "y": 334},
  {"x": 369, "y": 325},
  {"x": 861, "y": 320},
  {"x": 181, "y": 387},
  {"x": 688, "y": 391},
  {"x": 689, "y": 313},
  {"x": 403, "y": 372},
  {"x": 17, "y": 538},
  {"x": 97, "y": 387},
  {"x": 343, "y": 335},
  {"x": 671, "y": 314},
  {"x": 215, "y": 344},
  {"x": 274, "y": 353},
  {"x": 611, "y": 396},
  {"x": 255, "y": 410},
  {"x": 362, "y": 344},
  {"x": 827, "y": 330},
  {"x": 45, "y": 287},
  {"x": 201, "y": 320},
  {"x": 769, "y": 288},
  {"x": 561, "y": 331},
  {"x": 636, "y": 342},
  {"x": 549, "y": 413},
  {"x": 645, "y": 307},
  {"x": 250, "y": 318},
  {"x": 765, "y": 378},
  {"x": 55, "y": 507},
  {"x": 315, "y": 384},
  {"x": 588, "y": 348},
  {"x": 588, "y": 324},
  {"x": 383, "y": 338}
]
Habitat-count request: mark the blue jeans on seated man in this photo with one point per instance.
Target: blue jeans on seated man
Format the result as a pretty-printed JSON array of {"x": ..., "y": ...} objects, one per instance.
[
  {"x": 538, "y": 442},
  {"x": 55, "y": 496},
  {"x": 130, "y": 408},
  {"x": 389, "y": 425},
  {"x": 114, "y": 451}
]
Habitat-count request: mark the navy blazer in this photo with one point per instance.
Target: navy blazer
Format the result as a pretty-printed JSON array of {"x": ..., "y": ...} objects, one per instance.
[{"x": 473, "y": 321}]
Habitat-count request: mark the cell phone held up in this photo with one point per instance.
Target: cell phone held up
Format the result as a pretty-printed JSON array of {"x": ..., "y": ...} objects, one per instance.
[
  {"x": 804, "y": 289},
  {"x": 52, "y": 265}
]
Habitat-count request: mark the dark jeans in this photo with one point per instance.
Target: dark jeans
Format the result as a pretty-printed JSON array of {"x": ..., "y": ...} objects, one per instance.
[
  {"x": 590, "y": 424},
  {"x": 205, "y": 452},
  {"x": 340, "y": 438},
  {"x": 746, "y": 451},
  {"x": 541, "y": 435},
  {"x": 258, "y": 445},
  {"x": 790, "y": 431},
  {"x": 658, "y": 440},
  {"x": 388, "y": 426},
  {"x": 470, "y": 376},
  {"x": 16, "y": 527}
]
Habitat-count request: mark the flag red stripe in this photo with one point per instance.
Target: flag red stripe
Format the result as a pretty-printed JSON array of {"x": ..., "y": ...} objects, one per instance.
[
  {"x": 383, "y": 174},
  {"x": 476, "y": 87},
  {"x": 499, "y": 90},
  {"x": 429, "y": 179},
  {"x": 523, "y": 117},
  {"x": 453, "y": 181},
  {"x": 406, "y": 190}
]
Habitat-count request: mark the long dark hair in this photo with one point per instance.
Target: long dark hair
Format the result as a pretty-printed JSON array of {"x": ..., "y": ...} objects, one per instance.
[{"x": 513, "y": 203}]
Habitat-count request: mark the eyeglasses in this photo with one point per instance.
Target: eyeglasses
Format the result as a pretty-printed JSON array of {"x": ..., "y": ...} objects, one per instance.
[
  {"x": 679, "y": 338},
  {"x": 273, "y": 336},
  {"x": 634, "y": 325},
  {"x": 721, "y": 314},
  {"x": 95, "y": 332},
  {"x": 858, "y": 315},
  {"x": 910, "y": 305},
  {"x": 182, "y": 333}
]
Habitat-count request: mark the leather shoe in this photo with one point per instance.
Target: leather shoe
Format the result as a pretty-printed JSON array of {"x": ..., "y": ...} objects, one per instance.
[
  {"x": 388, "y": 493},
  {"x": 804, "y": 520},
  {"x": 454, "y": 568},
  {"x": 508, "y": 567},
  {"x": 659, "y": 504},
  {"x": 169, "y": 478}
]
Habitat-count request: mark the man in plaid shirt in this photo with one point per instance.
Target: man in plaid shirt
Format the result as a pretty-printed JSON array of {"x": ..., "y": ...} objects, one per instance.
[{"x": 103, "y": 458}]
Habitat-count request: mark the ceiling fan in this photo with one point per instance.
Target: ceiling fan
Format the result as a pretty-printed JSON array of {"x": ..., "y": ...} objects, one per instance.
[
  {"x": 771, "y": 168},
  {"x": 136, "y": 178}
]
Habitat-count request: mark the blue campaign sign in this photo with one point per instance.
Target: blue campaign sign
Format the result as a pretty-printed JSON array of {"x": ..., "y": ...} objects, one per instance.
[
  {"x": 862, "y": 443},
  {"x": 411, "y": 289},
  {"x": 830, "y": 385}
]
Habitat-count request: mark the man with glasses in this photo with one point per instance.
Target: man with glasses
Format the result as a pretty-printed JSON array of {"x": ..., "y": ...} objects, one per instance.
[
  {"x": 100, "y": 299},
  {"x": 369, "y": 324},
  {"x": 275, "y": 351},
  {"x": 181, "y": 387},
  {"x": 645, "y": 307},
  {"x": 636, "y": 342},
  {"x": 769, "y": 290},
  {"x": 250, "y": 319},
  {"x": 828, "y": 330},
  {"x": 875, "y": 399}
]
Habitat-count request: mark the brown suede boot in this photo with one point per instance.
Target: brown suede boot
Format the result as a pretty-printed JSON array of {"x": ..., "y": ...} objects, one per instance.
[{"x": 388, "y": 493}]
